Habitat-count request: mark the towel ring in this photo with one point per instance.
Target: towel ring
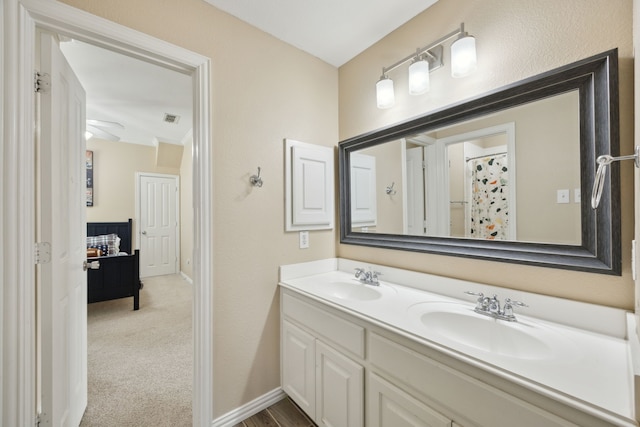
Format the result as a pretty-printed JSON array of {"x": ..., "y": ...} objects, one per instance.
[{"x": 603, "y": 161}]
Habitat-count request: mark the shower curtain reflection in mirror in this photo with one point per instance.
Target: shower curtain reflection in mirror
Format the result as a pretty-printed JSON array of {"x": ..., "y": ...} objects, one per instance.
[{"x": 489, "y": 210}]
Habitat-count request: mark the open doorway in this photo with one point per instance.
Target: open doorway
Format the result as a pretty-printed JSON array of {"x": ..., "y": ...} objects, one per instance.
[
  {"x": 137, "y": 159},
  {"x": 21, "y": 51}
]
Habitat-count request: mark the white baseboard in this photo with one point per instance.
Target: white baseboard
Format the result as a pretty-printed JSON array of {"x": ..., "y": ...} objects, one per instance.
[
  {"x": 187, "y": 278},
  {"x": 232, "y": 418}
]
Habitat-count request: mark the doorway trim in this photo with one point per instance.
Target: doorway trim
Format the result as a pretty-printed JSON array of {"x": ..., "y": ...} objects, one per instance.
[{"x": 19, "y": 21}]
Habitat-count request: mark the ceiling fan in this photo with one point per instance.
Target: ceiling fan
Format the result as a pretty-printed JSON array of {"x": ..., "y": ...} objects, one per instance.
[{"x": 97, "y": 128}]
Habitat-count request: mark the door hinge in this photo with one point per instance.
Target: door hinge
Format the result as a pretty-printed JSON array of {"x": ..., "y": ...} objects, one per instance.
[
  {"x": 42, "y": 252},
  {"x": 38, "y": 420},
  {"x": 41, "y": 82},
  {"x": 424, "y": 165}
]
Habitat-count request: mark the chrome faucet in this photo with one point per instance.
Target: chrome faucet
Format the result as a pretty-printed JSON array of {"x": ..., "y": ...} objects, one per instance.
[
  {"x": 368, "y": 277},
  {"x": 490, "y": 306}
]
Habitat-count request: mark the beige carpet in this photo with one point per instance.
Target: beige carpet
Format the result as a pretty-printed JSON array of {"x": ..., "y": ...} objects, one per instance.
[{"x": 140, "y": 362}]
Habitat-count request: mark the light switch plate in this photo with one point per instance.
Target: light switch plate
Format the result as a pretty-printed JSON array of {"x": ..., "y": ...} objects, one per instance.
[
  {"x": 576, "y": 195},
  {"x": 304, "y": 239}
]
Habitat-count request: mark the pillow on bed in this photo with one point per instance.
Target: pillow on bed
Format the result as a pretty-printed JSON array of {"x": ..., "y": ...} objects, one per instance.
[{"x": 109, "y": 244}]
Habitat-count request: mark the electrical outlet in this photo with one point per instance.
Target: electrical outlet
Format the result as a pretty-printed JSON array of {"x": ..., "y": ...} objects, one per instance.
[
  {"x": 563, "y": 196},
  {"x": 304, "y": 239}
]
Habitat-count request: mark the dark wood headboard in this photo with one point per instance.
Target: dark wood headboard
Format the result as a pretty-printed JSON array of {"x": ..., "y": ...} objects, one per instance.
[{"x": 122, "y": 229}]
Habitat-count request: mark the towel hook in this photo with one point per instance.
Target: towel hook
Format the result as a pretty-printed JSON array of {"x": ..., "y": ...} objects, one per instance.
[
  {"x": 255, "y": 180},
  {"x": 603, "y": 161},
  {"x": 390, "y": 190}
]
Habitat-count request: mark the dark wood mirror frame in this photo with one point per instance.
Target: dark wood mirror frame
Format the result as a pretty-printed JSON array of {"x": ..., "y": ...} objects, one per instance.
[{"x": 596, "y": 79}]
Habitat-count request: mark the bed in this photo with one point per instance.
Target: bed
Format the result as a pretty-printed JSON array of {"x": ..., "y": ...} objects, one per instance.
[{"x": 118, "y": 275}]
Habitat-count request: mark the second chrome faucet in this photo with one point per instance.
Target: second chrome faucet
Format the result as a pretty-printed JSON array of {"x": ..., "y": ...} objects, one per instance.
[
  {"x": 368, "y": 277},
  {"x": 490, "y": 306}
]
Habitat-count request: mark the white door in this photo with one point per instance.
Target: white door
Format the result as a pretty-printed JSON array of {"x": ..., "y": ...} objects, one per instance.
[
  {"x": 415, "y": 192},
  {"x": 61, "y": 217},
  {"x": 158, "y": 224}
]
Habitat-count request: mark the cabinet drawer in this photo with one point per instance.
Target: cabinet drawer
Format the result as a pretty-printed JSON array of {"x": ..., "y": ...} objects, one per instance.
[
  {"x": 330, "y": 327},
  {"x": 456, "y": 391}
]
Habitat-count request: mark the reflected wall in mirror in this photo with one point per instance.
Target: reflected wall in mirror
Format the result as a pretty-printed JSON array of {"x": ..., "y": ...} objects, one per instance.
[
  {"x": 487, "y": 178},
  {"x": 498, "y": 177}
]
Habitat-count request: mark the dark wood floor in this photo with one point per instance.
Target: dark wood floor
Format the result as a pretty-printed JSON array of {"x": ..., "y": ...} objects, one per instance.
[{"x": 282, "y": 414}]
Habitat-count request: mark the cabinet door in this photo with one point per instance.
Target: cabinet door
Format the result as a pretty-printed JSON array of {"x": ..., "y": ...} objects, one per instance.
[
  {"x": 388, "y": 406},
  {"x": 298, "y": 367},
  {"x": 339, "y": 389}
]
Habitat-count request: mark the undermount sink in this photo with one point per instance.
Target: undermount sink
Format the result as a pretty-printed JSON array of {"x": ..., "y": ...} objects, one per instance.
[{"x": 457, "y": 323}]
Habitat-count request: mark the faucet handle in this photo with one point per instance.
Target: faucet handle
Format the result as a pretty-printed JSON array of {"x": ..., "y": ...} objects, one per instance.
[
  {"x": 477, "y": 294},
  {"x": 479, "y": 301},
  {"x": 508, "y": 306},
  {"x": 359, "y": 271},
  {"x": 510, "y": 302},
  {"x": 374, "y": 276}
]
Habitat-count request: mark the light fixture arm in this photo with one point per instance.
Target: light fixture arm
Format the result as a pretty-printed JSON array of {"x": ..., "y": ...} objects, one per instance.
[{"x": 424, "y": 50}]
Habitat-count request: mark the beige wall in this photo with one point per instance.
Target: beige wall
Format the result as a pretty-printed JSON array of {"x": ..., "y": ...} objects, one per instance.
[
  {"x": 515, "y": 39},
  {"x": 263, "y": 91},
  {"x": 114, "y": 170}
]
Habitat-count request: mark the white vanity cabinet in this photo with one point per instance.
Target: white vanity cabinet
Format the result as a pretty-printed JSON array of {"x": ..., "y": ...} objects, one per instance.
[
  {"x": 346, "y": 369},
  {"x": 327, "y": 384}
]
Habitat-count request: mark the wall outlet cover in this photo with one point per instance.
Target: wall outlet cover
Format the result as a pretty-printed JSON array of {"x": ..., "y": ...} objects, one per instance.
[{"x": 563, "y": 196}]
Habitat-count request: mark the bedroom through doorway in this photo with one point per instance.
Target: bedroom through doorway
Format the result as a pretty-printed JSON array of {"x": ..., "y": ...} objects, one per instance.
[{"x": 125, "y": 142}]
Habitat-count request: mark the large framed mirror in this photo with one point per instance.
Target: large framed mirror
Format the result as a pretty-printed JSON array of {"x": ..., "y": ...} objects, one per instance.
[{"x": 506, "y": 176}]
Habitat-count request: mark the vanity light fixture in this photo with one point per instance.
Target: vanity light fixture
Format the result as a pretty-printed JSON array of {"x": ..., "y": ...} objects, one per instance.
[
  {"x": 463, "y": 54},
  {"x": 385, "y": 95},
  {"x": 419, "y": 76},
  {"x": 427, "y": 59}
]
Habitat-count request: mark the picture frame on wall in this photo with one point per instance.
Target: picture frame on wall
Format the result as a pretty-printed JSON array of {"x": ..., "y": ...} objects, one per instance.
[{"x": 89, "y": 168}]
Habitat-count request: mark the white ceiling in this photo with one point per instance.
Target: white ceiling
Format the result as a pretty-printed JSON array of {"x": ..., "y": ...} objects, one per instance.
[
  {"x": 333, "y": 30},
  {"x": 132, "y": 92},
  {"x": 137, "y": 94}
]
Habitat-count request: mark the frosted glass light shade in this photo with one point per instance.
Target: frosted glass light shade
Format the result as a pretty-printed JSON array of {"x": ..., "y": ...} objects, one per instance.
[
  {"x": 419, "y": 77},
  {"x": 463, "y": 56},
  {"x": 384, "y": 93}
]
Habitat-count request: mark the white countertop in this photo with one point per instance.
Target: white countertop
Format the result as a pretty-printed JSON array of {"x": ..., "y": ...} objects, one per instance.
[{"x": 589, "y": 370}]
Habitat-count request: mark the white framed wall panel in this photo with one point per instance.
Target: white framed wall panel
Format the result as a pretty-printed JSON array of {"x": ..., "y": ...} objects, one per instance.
[{"x": 309, "y": 182}]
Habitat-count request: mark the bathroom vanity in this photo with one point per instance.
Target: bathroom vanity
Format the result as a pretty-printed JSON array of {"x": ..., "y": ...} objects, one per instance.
[{"x": 412, "y": 351}]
